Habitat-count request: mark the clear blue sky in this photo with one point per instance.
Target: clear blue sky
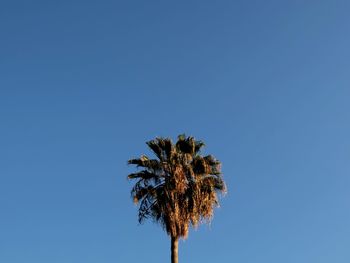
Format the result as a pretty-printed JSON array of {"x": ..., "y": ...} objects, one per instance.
[{"x": 83, "y": 84}]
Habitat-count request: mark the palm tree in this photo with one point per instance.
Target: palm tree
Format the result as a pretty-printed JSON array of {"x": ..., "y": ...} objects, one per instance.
[{"x": 179, "y": 188}]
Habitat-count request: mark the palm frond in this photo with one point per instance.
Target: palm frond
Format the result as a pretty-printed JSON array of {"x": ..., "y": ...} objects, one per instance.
[{"x": 152, "y": 164}]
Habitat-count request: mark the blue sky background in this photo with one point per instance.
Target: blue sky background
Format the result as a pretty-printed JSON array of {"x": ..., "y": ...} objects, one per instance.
[{"x": 83, "y": 85}]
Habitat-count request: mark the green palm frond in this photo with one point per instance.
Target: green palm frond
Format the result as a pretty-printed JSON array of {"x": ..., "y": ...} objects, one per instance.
[
  {"x": 152, "y": 164},
  {"x": 198, "y": 146}
]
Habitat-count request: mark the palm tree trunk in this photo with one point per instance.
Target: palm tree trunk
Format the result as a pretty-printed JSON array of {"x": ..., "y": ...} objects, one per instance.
[{"x": 174, "y": 250}]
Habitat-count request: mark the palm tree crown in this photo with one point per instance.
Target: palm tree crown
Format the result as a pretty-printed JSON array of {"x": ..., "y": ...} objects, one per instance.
[{"x": 180, "y": 187}]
